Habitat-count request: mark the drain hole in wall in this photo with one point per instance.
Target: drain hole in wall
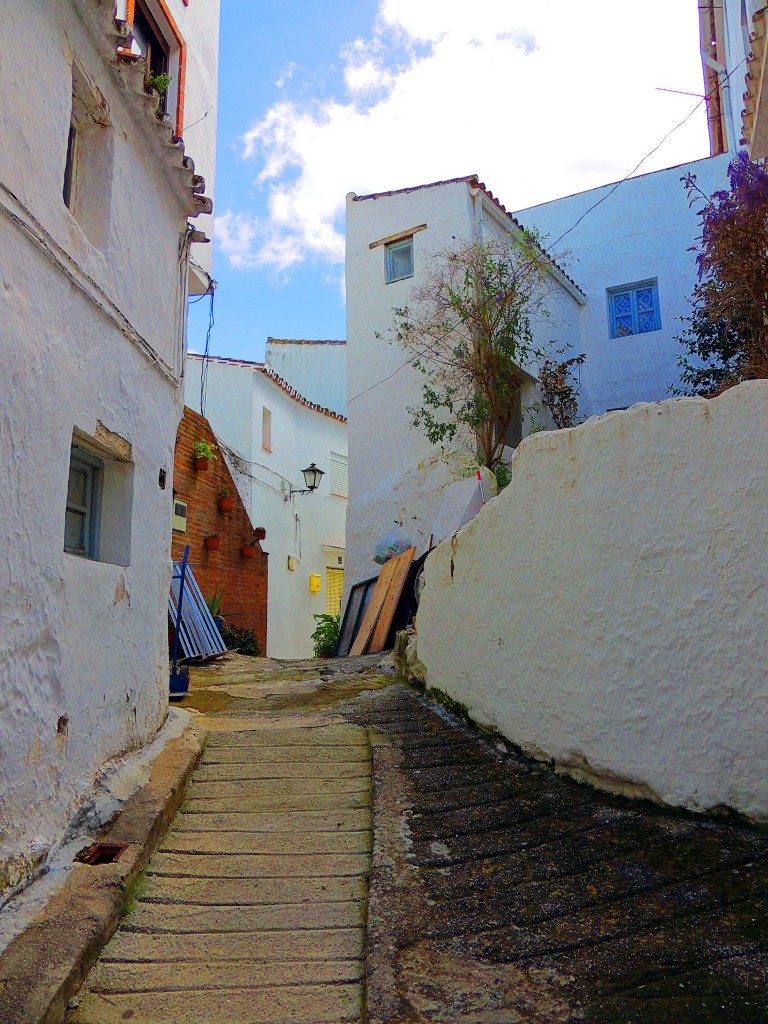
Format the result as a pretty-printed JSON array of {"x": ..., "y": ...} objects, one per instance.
[
  {"x": 161, "y": 479},
  {"x": 101, "y": 853},
  {"x": 62, "y": 725}
]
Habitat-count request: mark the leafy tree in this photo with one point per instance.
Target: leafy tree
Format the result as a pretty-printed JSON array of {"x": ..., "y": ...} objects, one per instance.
[
  {"x": 726, "y": 337},
  {"x": 468, "y": 329}
]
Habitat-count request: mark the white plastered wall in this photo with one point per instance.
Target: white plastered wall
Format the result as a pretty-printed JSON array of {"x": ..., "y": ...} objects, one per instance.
[
  {"x": 608, "y": 610},
  {"x": 83, "y": 664},
  {"x": 303, "y": 527},
  {"x": 318, "y": 370}
]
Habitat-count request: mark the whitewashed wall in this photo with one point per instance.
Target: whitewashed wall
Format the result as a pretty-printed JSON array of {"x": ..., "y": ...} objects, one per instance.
[
  {"x": 644, "y": 230},
  {"x": 394, "y": 471},
  {"x": 83, "y": 658},
  {"x": 609, "y": 609},
  {"x": 303, "y": 527},
  {"x": 317, "y": 369}
]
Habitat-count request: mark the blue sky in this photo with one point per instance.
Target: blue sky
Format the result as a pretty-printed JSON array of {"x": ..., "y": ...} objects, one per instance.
[{"x": 317, "y": 100}]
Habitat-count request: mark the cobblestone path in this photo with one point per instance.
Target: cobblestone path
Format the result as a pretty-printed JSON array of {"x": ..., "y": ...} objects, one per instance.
[
  {"x": 254, "y": 908},
  {"x": 502, "y": 894}
]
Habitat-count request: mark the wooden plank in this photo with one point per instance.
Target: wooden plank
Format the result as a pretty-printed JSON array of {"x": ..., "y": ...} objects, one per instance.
[
  {"x": 378, "y": 597},
  {"x": 387, "y": 613}
]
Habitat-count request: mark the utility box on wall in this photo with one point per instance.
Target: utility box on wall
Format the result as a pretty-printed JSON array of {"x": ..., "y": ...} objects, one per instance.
[
  {"x": 315, "y": 583},
  {"x": 179, "y": 519}
]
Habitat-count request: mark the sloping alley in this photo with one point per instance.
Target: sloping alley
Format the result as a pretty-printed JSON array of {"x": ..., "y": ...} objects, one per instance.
[{"x": 499, "y": 892}]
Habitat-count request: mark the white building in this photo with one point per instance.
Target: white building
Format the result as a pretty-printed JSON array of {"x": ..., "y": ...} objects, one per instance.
[
  {"x": 630, "y": 251},
  {"x": 95, "y": 196},
  {"x": 317, "y": 369},
  {"x": 395, "y": 474},
  {"x": 269, "y": 433},
  {"x": 734, "y": 36}
]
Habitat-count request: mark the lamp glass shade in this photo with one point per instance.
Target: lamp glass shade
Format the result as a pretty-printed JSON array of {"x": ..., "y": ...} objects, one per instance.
[{"x": 312, "y": 477}]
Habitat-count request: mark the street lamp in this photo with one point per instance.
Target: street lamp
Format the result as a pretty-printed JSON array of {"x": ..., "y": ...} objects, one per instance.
[{"x": 312, "y": 477}]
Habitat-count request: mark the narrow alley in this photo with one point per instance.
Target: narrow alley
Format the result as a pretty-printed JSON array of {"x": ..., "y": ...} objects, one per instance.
[{"x": 498, "y": 891}]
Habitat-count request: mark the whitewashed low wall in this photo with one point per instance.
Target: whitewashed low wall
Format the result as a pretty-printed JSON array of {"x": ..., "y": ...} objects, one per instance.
[{"x": 609, "y": 610}]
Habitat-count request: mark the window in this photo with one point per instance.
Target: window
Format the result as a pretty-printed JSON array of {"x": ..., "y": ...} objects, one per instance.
[
  {"x": 398, "y": 260},
  {"x": 87, "y": 186},
  {"x": 97, "y": 518},
  {"x": 81, "y": 530},
  {"x": 339, "y": 475},
  {"x": 266, "y": 429},
  {"x": 634, "y": 309},
  {"x": 153, "y": 47}
]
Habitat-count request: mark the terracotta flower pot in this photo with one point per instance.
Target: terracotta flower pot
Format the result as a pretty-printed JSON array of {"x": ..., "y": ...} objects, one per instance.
[
  {"x": 213, "y": 543},
  {"x": 201, "y": 463},
  {"x": 247, "y": 551},
  {"x": 226, "y": 504}
]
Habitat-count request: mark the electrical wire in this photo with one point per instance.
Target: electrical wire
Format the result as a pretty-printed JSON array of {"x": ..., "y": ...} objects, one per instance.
[
  {"x": 546, "y": 251},
  {"x": 206, "y": 354}
]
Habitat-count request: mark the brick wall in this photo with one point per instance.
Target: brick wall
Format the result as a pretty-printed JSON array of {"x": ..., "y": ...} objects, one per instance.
[{"x": 244, "y": 581}]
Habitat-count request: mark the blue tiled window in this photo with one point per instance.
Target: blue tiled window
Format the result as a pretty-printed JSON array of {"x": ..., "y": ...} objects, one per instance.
[{"x": 634, "y": 309}]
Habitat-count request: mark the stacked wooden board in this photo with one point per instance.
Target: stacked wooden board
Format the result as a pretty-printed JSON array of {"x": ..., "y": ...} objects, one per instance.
[{"x": 377, "y": 621}]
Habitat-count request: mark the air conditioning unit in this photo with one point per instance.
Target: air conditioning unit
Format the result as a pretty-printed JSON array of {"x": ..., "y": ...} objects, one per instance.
[{"x": 179, "y": 520}]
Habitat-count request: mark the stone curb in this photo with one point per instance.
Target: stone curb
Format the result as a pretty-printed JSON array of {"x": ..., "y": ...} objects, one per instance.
[{"x": 45, "y": 966}]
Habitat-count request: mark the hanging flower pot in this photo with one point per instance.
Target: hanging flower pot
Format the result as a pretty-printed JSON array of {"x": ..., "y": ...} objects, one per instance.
[
  {"x": 205, "y": 454},
  {"x": 212, "y": 543},
  {"x": 247, "y": 551},
  {"x": 226, "y": 504},
  {"x": 259, "y": 533}
]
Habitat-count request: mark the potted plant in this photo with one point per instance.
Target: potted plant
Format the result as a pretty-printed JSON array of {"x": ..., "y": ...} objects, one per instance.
[
  {"x": 212, "y": 543},
  {"x": 226, "y": 501},
  {"x": 205, "y": 454},
  {"x": 248, "y": 550},
  {"x": 214, "y": 607}
]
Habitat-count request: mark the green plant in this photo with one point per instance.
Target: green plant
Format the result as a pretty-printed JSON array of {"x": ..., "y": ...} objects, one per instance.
[
  {"x": 726, "y": 337},
  {"x": 205, "y": 450},
  {"x": 214, "y": 601},
  {"x": 560, "y": 389},
  {"x": 502, "y": 474},
  {"x": 326, "y": 634},
  {"x": 468, "y": 329},
  {"x": 245, "y": 640},
  {"x": 223, "y": 492},
  {"x": 159, "y": 82}
]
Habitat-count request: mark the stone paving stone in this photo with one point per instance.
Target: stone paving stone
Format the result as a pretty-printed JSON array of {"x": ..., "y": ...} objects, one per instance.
[
  {"x": 304, "y": 944},
  {"x": 345, "y": 820},
  {"x": 276, "y": 801},
  {"x": 158, "y": 917},
  {"x": 284, "y": 770},
  {"x": 256, "y": 866},
  {"x": 166, "y": 977},
  {"x": 242, "y": 753},
  {"x": 305, "y": 1004},
  {"x": 287, "y": 843},
  {"x": 240, "y": 892},
  {"x": 268, "y": 788},
  {"x": 253, "y": 909}
]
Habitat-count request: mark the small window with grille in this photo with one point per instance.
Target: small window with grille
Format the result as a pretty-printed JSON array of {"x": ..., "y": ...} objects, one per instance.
[{"x": 634, "y": 309}]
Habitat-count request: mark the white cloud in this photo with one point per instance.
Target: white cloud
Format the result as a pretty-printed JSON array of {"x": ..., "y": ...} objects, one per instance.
[{"x": 540, "y": 100}]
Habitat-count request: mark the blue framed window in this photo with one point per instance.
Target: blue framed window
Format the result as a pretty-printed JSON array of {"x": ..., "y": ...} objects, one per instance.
[
  {"x": 634, "y": 309},
  {"x": 81, "y": 524},
  {"x": 398, "y": 260}
]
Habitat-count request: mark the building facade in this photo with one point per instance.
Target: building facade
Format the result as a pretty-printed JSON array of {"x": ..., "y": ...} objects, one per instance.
[
  {"x": 317, "y": 369},
  {"x": 96, "y": 196},
  {"x": 269, "y": 433},
  {"x": 396, "y": 475}
]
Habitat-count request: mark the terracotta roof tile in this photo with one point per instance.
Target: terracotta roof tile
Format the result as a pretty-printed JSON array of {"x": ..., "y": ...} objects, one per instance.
[
  {"x": 276, "y": 379},
  {"x": 302, "y": 341}
]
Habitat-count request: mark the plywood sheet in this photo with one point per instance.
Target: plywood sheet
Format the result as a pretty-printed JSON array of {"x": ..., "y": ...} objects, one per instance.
[
  {"x": 371, "y": 616},
  {"x": 391, "y": 601}
]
